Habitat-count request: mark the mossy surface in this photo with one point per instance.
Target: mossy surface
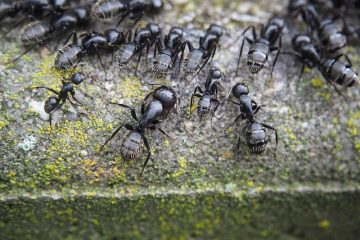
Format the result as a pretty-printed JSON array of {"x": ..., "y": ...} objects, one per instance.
[{"x": 221, "y": 187}]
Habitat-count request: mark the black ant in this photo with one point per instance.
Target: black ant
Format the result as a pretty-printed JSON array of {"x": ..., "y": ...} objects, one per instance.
[
  {"x": 32, "y": 8},
  {"x": 261, "y": 47},
  {"x": 333, "y": 70},
  {"x": 73, "y": 53},
  {"x": 255, "y": 133},
  {"x": 206, "y": 51},
  {"x": 135, "y": 9},
  {"x": 144, "y": 37},
  {"x": 167, "y": 52},
  {"x": 53, "y": 104},
  {"x": 163, "y": 100},
  {"x": 38, "y": 32},
  {"x": 208, "y": 97}
]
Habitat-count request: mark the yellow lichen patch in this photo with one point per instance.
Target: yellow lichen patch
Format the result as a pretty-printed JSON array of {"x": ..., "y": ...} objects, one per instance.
[
  {"x": 183, "y": 165},
  {"x": 291, "y": 134},
  {"x": 250, "y": 184},
  {"x": 47, "y": 75},
  {"x": 317, "y": 82},
  {"x": 228, "y": 155},
  {"x": 130, "y": 88},
  {"x": 324, "y": 224},
  {"x": 3, "y": 124},
  {"x": 166, "y": 143},
  {"x": 9, "y": 55},
  {"x": 353, "y": 126},
  {"x": 307, "y": 70}
]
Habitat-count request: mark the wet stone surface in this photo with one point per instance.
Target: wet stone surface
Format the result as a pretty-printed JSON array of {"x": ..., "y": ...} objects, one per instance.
[{"x": 319, "y": 141}]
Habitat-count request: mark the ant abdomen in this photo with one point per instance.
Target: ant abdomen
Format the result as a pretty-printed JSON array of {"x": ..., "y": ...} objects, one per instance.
[
  {"x": 256, "y": 138},
  {"x": 131, "y": 146},
  {"x": 35, "y": 32},
  {"x": 108, "y": 9},
  {"x": 125, "y": 54}
]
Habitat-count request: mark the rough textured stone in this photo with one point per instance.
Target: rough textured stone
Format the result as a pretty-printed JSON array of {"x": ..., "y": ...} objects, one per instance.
[{"x": 196, "y": 185}]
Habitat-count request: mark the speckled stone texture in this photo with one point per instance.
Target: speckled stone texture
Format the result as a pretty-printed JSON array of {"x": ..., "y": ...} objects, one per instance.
[{"x": 55, "y": 184}]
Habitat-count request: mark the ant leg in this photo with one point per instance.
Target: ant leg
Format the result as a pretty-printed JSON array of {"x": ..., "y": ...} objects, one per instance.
[
  {"x": 276, "y": 134},
  {"x": 16, "y": 25},
  {"x": 139, "y": 17},
  {"x": 22, "y": 54},
  {"x": 216, "y": 107},
  {"x": 233, "y": 102},
  {"x": 161, "y": 130},
  {"x": 197, "y": 88},
  {"x": 348, "y": 60},
  {"x": 101, "y": 62},
  {"x": 240, "y": 54},
  {"x": 276, "y": 57},
  {"x": 238, "y": 147},
  {"x": 236, "y": 119},
  {"x": 122, "y": 18},
  {"x": 148, "y": 154},
  {"x": 139, "y": 58},
  {"x": 111, "y": 137},
  {"x": 133, "y": 112},
  {"x": 50, "y": 89}
]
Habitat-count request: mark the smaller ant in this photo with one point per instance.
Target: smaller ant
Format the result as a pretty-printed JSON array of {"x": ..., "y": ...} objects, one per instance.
[
  {"x": 206, "y": 51},
  {"x": 144, "y": 37},
  {"x": 163, "y": 100},
  {"x": 255, "y": 133},
  {"x": 53, "y": 104},
  {"x": 261, "y": 47},
  {"x": 208, "y": 97},
  {"x": 167, "y": 52},
  {"x": 73, "y": 53}
]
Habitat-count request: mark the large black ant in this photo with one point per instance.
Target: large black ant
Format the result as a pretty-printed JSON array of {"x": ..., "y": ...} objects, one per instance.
[
  {"x": 206, "y": 51},
  {"x": 208, "y": 97},
  {"x": 167, "y": 52},
  {"x": 255, "y": 133},
  {"x": 144, "y": 37},
  {"x": 163, "y": 100},
  {"x": 53, "y": 104},
  {"x": 134, "y": 9},
  {"x": 261, "y": 47},
  {"x": 332, "y": 69}
]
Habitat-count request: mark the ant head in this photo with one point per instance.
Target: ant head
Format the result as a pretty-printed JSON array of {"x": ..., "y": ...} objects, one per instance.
[
  {"x": 154, "y": 29},
  {"x": 166, "y": 96},
  {"x": 113, "y": 37},
  {"x": 82, "y": 14},
  {"x": 177, "y": 31},
  {"x": 216, "y": 30},
  {"x": 215, "y": 72},
  {"x": 278, "y": 21},
  {"x": 157, "y": 5},
  {"x": 77, "y": 78},
  {"x": 240, "y": 89},
  {"x": 59, "y": 4},
  {"x": 301, "y": 39},
  {"x": 50, "y": 104},
  {"x": 295, "y": 5}
]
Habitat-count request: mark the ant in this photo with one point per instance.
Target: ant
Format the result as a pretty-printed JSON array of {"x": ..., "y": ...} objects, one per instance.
[
  {"x": 135, "y": 9},
  {"x": 38, "y": 32},
  {"x": 261, "y": 47},
  {"x": 333, "y": 70},
  {"x": 255, "y": 133},
  {"x": 208, "y": 97},
  {"x": 73, "y": 53},
  {"x": 205, "y": 52},
  {"x": 163, "y": 100},
  {"x": 31, "y": 8},
  {"x": 144, "y": 37},
  {"x": 167, "y": 52},
  {"x": 53, "y": 104}
]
